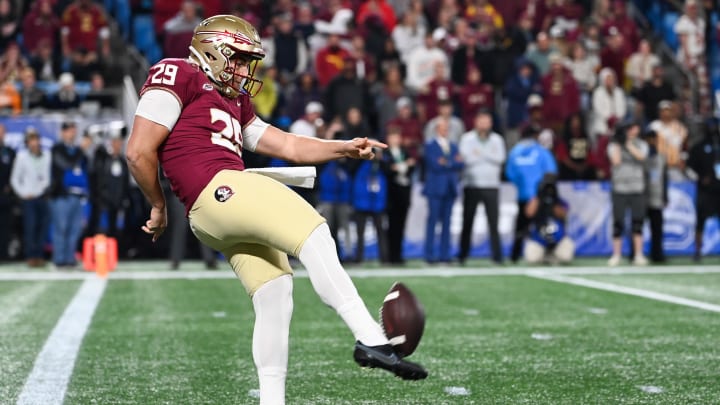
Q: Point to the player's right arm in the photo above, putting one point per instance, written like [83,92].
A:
[142,158]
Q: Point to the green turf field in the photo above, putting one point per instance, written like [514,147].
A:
[507,336]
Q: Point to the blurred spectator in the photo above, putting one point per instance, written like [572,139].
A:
[7,159]
[334,196]
[592,40]
[437,90]
[9,22]
[109,186]
[421,64]
[483,153]
[672,137]
[355,125]
[623,23]
[178,30]
[705,162]
[46,63]
[527,164]
[517,90]
[536,118]
[471,55]
[602,11]
[536,10]
[475,96]
[347,91]
[563,16]
[539,53]
[369,201]
[573,150]
[307,125]
[653,92]
[302,93]
[40,25]
[266,101]
[377,9]
[305,21]
[105,97]
[10,102]
[409,34]
[411,134]
[511,11]
[286,50]
[386,97]
[614,54]
[11,63]
[584,69]
[330,60]
[445,113]
[443,164]
[482,12]
[69,186]
[510,44]
[628,154]
[639,68]
[31,95]
[388,59]
[30,181]
[399,166]
[561,95]
[609,106]
[364,62]
[690,29]
[548,241]
[657,195]
[83,25]
[66,97]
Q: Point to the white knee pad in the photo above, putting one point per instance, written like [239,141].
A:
[533,252]
[565,250]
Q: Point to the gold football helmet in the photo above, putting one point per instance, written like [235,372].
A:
[219,39]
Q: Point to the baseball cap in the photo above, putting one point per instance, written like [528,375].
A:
[664,104]
[403,102]
[31,132]
[313,107]
[534,101]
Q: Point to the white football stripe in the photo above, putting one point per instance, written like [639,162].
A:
[391,296]
[54,365]
[398,340]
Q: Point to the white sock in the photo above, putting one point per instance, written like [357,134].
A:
[335,288]
[273,305]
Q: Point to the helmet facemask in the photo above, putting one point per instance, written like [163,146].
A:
[232,83]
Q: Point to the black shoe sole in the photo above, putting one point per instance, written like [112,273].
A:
[368,357]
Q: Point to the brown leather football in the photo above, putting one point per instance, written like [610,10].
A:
[403,319]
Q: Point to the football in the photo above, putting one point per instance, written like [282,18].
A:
[403,318]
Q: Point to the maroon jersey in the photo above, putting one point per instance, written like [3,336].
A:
[474,98]
[83,25]
[207,137]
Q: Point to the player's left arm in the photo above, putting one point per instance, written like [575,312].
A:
[305,150]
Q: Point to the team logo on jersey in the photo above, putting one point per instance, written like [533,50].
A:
[207,86]
[223,193]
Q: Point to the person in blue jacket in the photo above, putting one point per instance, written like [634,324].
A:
[527,165]
[443,165]
[369,200]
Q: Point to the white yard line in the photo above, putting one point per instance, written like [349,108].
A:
[652,295]
[19,300]
[53,367]
[128,271]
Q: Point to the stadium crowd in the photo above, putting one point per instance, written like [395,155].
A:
[467,94]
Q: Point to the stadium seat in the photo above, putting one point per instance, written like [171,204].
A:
[669,34]
[143,32]
[122,16]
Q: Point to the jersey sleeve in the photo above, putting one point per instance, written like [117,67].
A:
[174,76]
[252,126]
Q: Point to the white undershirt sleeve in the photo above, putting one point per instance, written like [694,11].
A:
[159,106]
[253,132]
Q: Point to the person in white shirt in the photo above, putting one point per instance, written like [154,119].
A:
[308,124]
[672,137]
[483,152]
[608,104]
[640,66]
[30,179]
[690,29]
[455,125]
[408,35]
[421,64]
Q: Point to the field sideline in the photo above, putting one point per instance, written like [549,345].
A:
[565,335]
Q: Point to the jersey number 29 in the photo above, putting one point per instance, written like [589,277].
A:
[229,135]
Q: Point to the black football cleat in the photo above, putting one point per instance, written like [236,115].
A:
[384,357]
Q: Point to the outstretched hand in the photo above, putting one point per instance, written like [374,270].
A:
[362,148]
[157,223]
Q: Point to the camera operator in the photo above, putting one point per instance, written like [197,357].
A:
[548,241]
[627,153]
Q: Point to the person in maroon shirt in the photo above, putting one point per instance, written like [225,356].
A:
[561,94]
[621,21]
[614,54]
[330,60]
[83,23]
[194,118]
[439,88]
[475,96]
[573,150]
[412,136]
[40,24]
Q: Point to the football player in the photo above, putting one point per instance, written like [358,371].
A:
[195,118]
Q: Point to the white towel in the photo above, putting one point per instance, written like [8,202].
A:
[300,176]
